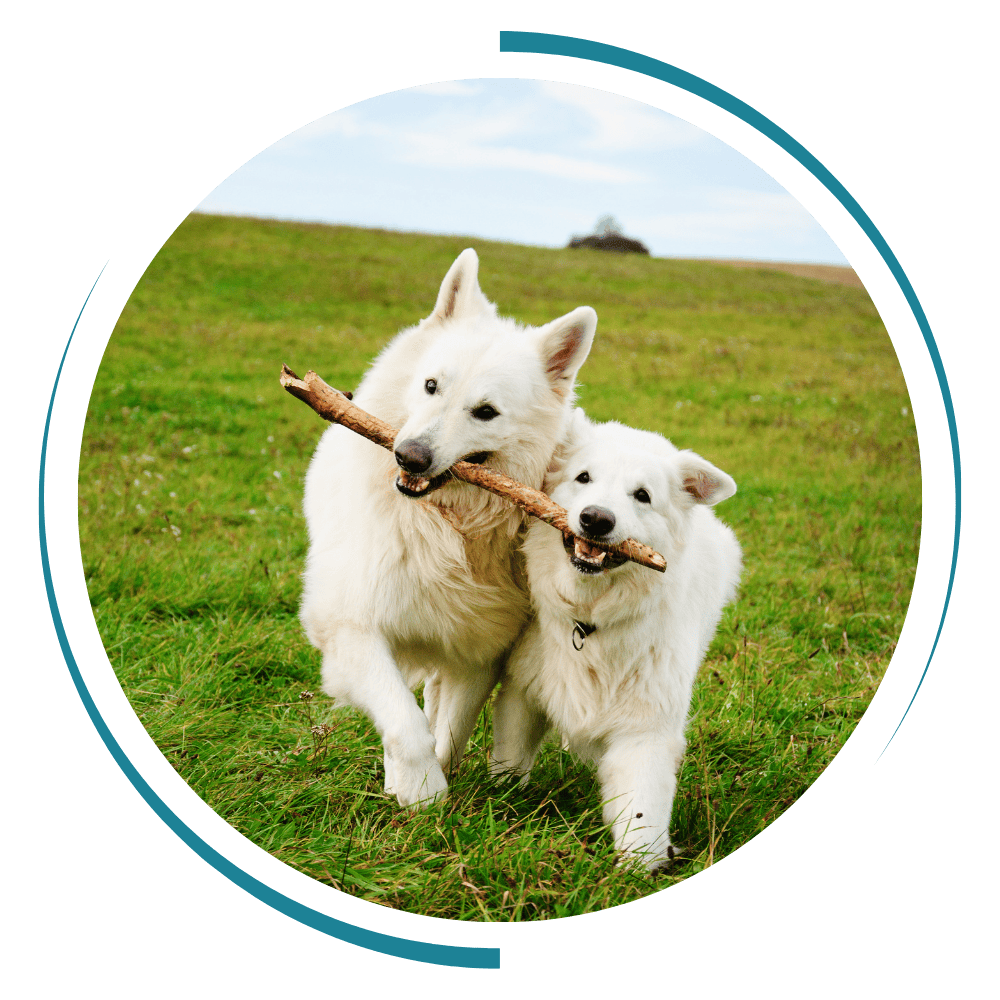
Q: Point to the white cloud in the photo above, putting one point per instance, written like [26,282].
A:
[453,140]
[480,124]
[445,152]
[619,124]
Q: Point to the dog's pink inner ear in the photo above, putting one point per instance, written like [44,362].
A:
[708,486]
[561,359]
[698,485]
[449,295]
[564,346]
[460,294]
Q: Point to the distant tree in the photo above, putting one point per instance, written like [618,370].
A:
[608,225]
[609,236]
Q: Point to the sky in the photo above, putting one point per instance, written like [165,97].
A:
[528,162]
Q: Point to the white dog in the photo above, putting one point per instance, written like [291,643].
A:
[611,657]
[413,576]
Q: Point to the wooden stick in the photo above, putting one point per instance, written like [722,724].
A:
[336,406]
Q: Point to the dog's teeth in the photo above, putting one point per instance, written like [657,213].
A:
[582,549]
[415,483]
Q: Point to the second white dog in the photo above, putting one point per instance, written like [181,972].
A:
[612,655]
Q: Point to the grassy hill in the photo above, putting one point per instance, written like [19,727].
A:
[190,492]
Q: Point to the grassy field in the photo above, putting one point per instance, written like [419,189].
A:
[193,541]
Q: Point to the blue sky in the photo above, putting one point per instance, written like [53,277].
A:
[530,162]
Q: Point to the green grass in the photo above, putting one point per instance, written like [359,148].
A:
[193,541]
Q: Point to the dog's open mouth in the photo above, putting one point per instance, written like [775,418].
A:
[411,485]
[588,558]
[417,486]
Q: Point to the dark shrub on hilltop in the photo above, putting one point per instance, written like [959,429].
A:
[612,242]
[608,235]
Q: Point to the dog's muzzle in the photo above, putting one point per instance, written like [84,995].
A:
[597,523]
[414,458]
[588,558]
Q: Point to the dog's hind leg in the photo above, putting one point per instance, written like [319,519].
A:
[359,670]
[460,699]
[519,726]
[638,775]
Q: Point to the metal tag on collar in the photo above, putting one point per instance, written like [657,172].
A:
[580,632]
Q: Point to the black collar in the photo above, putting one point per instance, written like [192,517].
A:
[580,632]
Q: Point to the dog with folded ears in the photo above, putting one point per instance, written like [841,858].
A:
[612,653]
[411,575]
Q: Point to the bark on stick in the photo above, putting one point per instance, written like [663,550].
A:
[336,406]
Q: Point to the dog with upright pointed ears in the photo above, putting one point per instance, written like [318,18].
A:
[413,576]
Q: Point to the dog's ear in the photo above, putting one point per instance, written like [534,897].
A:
[564,345]
[460,295]
[580,427]
[706,483]
[578,430]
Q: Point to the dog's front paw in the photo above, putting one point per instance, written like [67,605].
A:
[644,860]
[422,789]
[415,784]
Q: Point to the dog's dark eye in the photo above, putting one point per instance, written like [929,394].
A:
[485,412]
[431,386]
[642,496]
[584,477]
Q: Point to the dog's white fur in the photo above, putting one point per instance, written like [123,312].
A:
[400,590]
[621,700]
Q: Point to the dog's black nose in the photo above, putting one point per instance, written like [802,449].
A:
[596,521]
[414,456]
